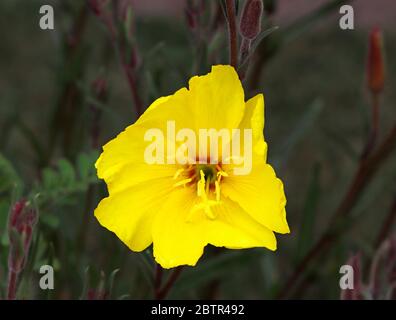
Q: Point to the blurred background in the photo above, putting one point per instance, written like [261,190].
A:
[65,92]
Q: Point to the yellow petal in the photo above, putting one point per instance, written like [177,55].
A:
[253,118]
[259,193]
[217,99]
[176,107]
[176,239]
[129,213]
[236,229]
[180,232]
[214,100]
[122,163]
[128,146]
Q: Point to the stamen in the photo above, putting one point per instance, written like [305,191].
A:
[222,173]
[182,182]
[217,191]
[202,191]
[206,206]
[207,178]
[178,173]
[201,185]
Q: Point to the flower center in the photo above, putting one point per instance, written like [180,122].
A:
[206,178]
[209,171]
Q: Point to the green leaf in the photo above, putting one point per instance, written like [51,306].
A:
[4,209]
[66,179]
[111,281]
[86,164]
[5,241]
[9,179]
[50,179]
[50,220]
[67,173]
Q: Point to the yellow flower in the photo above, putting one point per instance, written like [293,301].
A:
[180,208]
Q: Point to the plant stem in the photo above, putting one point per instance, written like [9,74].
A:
[158,280]
[367,168]
[387,224]
[128,70]
[243,53]
[84,228]
[162,293]
[12,284]
[372,139]
[132,85]
[232,32]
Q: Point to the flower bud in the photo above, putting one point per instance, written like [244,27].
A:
[375,64]
[20,229]
[250,24]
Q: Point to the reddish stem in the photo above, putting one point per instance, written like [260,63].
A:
[162,293]
[387,225]
[372,139]
[158,280]
[132,86]
[128,70]
[12,284]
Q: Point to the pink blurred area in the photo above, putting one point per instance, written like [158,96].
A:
[367,12]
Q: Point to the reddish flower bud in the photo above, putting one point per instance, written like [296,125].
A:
[250,25]
[375,64]
[20,229]
[16,213]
